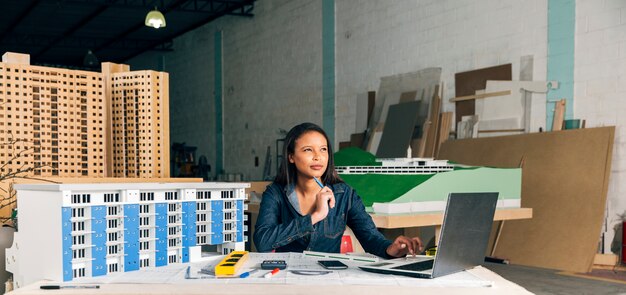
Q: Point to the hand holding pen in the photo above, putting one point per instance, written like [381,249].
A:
[325,199]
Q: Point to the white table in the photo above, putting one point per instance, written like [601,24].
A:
[500,286]
[172,279]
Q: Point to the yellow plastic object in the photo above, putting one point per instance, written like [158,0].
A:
[231,263]
[431,251]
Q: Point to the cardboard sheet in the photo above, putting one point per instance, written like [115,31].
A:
[361,112]
[390,92]
[513,111]
[564,180]
[398,130]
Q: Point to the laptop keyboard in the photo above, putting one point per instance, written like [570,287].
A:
[417,266]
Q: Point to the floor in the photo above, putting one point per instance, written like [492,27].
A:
[546,281]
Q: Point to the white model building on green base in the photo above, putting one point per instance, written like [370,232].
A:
[413,185]
[432,194]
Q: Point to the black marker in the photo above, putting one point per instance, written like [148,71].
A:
[56,287]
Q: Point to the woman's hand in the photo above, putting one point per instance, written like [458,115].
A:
[323,200]
[402,246]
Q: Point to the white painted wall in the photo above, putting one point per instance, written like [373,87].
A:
[272,66]
[600,88]
[272,63]
[376,39]
[272,69]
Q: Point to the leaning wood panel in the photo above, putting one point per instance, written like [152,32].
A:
[466,83]
[564,180]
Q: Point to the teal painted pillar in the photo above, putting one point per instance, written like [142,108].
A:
[561,29]
[219,129]
[328,68]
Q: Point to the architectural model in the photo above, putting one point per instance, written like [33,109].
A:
[412,185]
[74,123]
[400,166]
[69,231]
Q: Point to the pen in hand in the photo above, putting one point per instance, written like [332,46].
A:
[318,182]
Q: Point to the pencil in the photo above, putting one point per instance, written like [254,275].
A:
[318,182]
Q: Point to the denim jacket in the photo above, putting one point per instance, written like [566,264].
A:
[280,227]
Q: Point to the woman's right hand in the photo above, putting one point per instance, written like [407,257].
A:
[323,200]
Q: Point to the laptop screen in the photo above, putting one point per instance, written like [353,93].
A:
[465,232]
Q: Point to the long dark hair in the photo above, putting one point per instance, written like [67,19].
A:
[287,172]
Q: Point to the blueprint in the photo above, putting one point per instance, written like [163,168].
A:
[301,270]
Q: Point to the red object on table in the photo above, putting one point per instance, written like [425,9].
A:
[346,244]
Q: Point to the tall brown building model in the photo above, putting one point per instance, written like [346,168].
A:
[73,123]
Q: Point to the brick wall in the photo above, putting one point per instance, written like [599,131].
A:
[375,39]
[272,67]
[600,87]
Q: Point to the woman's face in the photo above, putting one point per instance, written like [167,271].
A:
[310,155]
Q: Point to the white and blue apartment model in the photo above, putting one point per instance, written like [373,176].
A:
[68,231]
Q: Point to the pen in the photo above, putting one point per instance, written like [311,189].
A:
[56,287]
[271,273]
[247,274]
[318,182]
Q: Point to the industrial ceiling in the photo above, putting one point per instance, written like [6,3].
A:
[61,32]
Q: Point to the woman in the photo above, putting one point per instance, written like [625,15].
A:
[297,214]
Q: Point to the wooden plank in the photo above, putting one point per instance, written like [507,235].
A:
[565,181]
[501,130]
[436,218]
[371,100]
[605,259]
[482,95]
[258,186]
[466,83]
[356,139]
[431,129]
[444,129]
[559,113]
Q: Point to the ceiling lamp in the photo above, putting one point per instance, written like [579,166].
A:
[155,19]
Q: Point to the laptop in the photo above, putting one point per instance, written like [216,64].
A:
[462,244]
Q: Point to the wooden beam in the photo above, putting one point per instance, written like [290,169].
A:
[482,95]
[501,130]
[559,112]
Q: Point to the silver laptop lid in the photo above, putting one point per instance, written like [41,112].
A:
[464,232]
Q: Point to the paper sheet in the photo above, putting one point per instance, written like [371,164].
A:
[175,274]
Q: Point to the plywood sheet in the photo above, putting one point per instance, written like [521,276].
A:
[559,111]
[408,96]
[356,139]
[495,113]
[433,126]
[564,180]
[445,123]
[391,89]
[361,112]
[398,130]
[466,83]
